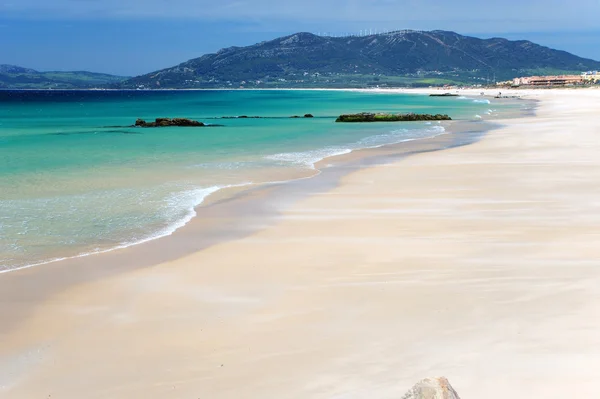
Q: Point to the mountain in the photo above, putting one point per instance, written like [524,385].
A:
[394,59]
[15,77]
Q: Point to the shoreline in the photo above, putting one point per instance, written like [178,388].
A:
[461,262]
[421,90]
[478,262]
[221,192]
[83,268]
[264,199]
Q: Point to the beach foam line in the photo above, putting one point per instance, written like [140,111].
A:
[194,197]
[475,100]
[371,142]
[308,158]
[312,157]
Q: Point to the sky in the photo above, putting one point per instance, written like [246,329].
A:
[132,37]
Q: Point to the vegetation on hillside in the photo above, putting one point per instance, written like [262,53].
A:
[13,77]
[402,58]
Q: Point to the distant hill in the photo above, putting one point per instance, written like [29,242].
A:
[15,77]
[400,58]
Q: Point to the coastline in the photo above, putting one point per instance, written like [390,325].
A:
[422,90]
[212,193]
[266,282]
[225,215]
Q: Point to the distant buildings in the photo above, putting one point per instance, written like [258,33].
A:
[557,80]
[591,76]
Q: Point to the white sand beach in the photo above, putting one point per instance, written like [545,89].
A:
[478,263]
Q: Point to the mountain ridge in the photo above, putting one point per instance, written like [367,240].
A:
[396,58]
[17,77]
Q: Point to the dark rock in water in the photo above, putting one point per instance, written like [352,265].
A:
[241,117]
[370,117]
[444,95]
[432,388]
[294,117]
[308,116]
[164,122]
[185,122]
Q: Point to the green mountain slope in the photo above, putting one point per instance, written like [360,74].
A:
[392,59]
[14,77]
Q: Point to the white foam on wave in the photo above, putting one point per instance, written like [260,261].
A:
[233,165]
[437,129]
[398,136]
[310,158]
[393,137]
[185,201]
[475,100]
[307,158]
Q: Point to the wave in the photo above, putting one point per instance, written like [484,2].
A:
[181,207]
[233,165]
[476,101]
[307,158]
[311,157]
[399,136]
[175,206]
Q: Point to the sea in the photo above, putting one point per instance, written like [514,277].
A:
[76,178]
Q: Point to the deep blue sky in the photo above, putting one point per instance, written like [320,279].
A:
[131,37]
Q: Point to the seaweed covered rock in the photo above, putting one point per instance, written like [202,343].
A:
[372,117]
[443,95]
[305,116]
[165,122]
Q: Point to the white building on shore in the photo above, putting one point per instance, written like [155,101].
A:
[593,76]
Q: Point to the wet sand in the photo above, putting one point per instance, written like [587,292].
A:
[477,262]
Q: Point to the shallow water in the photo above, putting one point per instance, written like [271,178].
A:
[75,178]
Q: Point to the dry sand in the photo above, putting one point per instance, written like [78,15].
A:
[480,263]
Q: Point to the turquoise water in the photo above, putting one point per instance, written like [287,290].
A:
[75,178]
